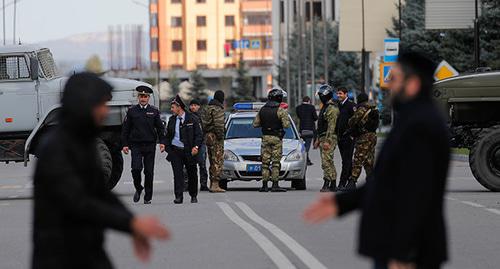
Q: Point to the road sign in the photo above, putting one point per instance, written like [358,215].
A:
[255,44]
[391,50]
[445,70]
[385,74]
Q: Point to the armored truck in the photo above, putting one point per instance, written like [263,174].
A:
[471,104]
[30,92]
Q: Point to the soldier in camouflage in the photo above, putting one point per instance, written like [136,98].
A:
[213,126]
[327,138]
[365,140]
[273,120]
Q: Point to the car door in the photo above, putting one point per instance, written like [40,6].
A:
[18,96]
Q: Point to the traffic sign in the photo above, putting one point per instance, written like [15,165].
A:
[445,70]
[255,44]
[391,50]
[385,74]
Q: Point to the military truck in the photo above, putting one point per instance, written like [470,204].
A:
[472,105]
[30,92]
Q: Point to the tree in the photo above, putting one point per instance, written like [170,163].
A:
[94,64]
[243,91]
[198,85]
[174,83]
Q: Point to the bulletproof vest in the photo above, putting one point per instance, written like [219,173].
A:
[271,124]
[322,122]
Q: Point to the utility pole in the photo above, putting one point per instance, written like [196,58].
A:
[313,71]
[299,25]
[400,24]
[325,43]
[3,10]
[363,58]
[287,21]
[14,25]
[477,52]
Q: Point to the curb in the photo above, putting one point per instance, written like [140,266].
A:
[459,157]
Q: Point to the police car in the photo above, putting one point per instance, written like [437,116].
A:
[242,159]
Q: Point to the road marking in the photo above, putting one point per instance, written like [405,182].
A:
[302,253]
[4,204]
[13,196]
[476,205]
[279,259]
[472,204]
[154,182]
[7,187]
[493,210]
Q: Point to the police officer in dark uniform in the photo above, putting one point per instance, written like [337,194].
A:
[141,130]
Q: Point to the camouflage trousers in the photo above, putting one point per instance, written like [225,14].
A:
[271,151]
[216,159]
[327,163]
[364,154]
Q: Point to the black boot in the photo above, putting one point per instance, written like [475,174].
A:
[333,186]
[351,185]
[342,184]
[137,195]
[309,163]
[325,187]
[264,187]
[204,188]
[178,200]
[276,187]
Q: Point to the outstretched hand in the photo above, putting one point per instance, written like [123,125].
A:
[144,229]
[321,210]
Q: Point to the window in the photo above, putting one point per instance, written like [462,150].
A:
[47,63]
[202,66]
[230,66]
[177,66]
[282,12]
[229,1]
[13,67]
[175,1]
[201,1]
[176,21]
[154,44]
[316,11]
[230,20]
[177,45]
[154,20]
[258,19]
[201,45]
[201,21]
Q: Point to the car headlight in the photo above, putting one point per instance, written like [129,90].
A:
[230,156]
[294,156]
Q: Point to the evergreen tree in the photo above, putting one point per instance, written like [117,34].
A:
[198,85]
[489,26]
[243,91]
[174,82]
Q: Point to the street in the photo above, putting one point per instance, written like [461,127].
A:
[247,229]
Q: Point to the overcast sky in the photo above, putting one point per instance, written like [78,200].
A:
[41,20]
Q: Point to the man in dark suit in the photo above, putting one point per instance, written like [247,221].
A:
[402,221]
[307,119]
[345,141]
[184,139]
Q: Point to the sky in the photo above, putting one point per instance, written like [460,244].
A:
[41,20]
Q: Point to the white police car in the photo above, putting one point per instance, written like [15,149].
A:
[242,159]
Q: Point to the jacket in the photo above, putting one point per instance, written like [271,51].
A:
[213,119]
[307,117]
[402,203]
[190,132]
[142,126]
[346,112]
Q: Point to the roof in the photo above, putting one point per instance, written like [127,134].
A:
[20,48]
[243,114]
[468,80]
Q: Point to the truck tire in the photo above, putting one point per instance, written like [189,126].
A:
[105,158]
[299,184]
[117,167]
[484,158]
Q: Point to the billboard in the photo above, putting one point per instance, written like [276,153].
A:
[449,14]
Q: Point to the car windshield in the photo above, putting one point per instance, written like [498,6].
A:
[47,63]
[242,128]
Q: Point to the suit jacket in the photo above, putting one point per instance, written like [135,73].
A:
[402,203]
[190,132]
[346,112]
[307,117]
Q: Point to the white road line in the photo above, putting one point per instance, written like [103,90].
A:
[13,196]
[154,182]
[302,253]
[493,210]
[279,259]
[472,204]
[4,204]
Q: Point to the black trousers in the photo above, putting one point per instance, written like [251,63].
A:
[180,159]
[143,156]
[346,148]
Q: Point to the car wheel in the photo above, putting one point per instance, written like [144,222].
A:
[105,158]
[299,184]
[223,184]
[484,158]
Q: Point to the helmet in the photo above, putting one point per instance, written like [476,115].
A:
[276,94]
[325,93]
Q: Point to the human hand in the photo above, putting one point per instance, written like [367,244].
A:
[393,264]
[142,248]
[316,144]
[162,147]
[326,146]
[323,209]
[194,151]
[149,227]
[125,150]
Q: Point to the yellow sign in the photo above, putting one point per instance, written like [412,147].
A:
[385,74]
[445,70]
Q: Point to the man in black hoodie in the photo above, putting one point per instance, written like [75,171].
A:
[402,220]
[72,205]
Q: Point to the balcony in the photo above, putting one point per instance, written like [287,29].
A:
[256,6]
[258,30]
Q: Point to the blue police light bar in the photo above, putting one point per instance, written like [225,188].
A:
[248,106]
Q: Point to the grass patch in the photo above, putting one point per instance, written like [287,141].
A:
[461,151]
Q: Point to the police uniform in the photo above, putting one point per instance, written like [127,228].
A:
[141,130]
[273,120]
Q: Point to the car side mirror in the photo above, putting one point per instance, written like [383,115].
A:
[34,68]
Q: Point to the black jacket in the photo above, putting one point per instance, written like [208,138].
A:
[307,116]
[402,204]
[190,132]
[346,112]
[142,126]
[72,205]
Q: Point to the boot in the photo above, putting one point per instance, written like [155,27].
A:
[333,186]
[326,185]
[342,184]
[309,163]
[276,187]
[264,186]
[204,188]
[215,187]
[351,185]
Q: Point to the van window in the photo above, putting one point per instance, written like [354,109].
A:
[13,67]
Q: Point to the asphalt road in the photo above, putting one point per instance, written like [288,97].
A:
[247,229]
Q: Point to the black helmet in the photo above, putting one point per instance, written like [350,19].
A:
[276,94]
[325,93]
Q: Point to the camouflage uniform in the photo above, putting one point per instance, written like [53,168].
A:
[213,126]
[329,137]
[364,151]
[272,148]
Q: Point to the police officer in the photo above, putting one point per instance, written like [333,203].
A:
[273,120]
[327,138]
[365,136]
[141,129]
